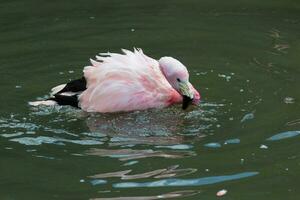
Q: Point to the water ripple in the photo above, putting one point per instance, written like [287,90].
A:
[131,154]
[284,135]
[176,194]
[171,171]
[50,140]
[186,182]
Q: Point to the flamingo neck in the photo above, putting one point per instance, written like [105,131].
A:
[175,98]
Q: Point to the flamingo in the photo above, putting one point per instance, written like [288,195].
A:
[127,82]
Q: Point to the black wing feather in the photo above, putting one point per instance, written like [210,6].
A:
[78,85]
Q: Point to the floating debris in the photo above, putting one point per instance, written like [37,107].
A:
[18,86]
[221,193]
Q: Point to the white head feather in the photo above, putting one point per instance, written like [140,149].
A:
[174,71]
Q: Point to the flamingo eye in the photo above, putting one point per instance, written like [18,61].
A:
[178,80]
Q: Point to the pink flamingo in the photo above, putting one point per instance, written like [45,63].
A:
[126,82]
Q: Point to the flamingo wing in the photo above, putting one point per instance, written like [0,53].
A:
[125,82]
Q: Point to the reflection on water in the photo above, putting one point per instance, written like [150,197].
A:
[284,135]
[124,140]
[213,145]
[167,133]
[132,154]
[293,122]
[155,122]
[50,140]
[171,171]
[98,182]
[176,146]
[170,195]
[186,182]
[128,137]
[165,128]
[131,163]
[232,141]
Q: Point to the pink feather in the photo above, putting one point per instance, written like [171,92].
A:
[126,82]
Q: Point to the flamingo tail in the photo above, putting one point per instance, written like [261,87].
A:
[65,94]
[68,95]
[78,85]
[66,100]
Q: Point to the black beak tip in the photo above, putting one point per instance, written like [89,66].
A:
[186,101]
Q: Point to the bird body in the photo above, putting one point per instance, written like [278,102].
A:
[132,81]
[126,82]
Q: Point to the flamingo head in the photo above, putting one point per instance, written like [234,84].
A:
[178,77]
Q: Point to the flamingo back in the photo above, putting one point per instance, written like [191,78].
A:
[125,82]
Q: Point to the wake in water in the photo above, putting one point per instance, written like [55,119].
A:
[169,126]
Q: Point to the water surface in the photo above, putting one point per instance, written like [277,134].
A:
[243,57]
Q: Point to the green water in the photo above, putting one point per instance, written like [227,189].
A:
[243,57]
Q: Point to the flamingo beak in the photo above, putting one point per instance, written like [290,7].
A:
[187,94]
